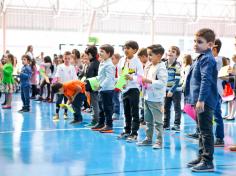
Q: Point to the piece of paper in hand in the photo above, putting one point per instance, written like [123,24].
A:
[190,111]
[66,106]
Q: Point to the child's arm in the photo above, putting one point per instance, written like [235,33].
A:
[206,71]
[110,75]
[71,98]
[26,74]
[176,81]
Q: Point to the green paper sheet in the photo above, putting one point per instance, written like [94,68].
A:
[94,83]
[66,106]
[122,80]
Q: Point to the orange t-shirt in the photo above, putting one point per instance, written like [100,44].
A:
[70,87]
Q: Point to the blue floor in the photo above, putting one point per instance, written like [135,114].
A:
[31,144]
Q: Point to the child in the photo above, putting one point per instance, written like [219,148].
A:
[106,78]
[143,56]
[155,75]
[174,89]
[65,72]
[116,95]
[92,71]
[131,91]
[201,92]
[8,80]
[34,79]
[75,93]
[25,76]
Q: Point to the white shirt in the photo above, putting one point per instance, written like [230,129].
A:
[65,73]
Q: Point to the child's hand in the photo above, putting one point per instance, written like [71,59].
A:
[128,77]
[169,94]
[200,106]
[145,80]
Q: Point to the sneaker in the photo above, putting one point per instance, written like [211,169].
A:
[3,104]
[143,123]
[176,128]
[194,135]
[26,110]
[145,142]
[115,116]
[32,98]
[21,110]
[106,129]
[65,116]
[123,135]
[230,118]
[75,121]
[219,142]
[132,138]
[203,167]
[97,127]
[194,162]
[6,107]
[165,127]
[157,145]
[39,99]
[92,124]
[56,117]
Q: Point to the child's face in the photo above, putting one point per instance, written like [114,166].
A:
[234,59]
[143,59]
[60,60]
[104,55]
[66,59]
[149,52]
[86,59]
[24,61]
[155,58]
[115,61]
[201,45]
[171,55]
[129,52]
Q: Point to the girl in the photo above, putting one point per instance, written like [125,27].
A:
[33,79]
[8,80]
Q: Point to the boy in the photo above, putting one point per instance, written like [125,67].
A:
[106,78]
[25,76]
[143,56]
[116,96]
[155,75]
[65,72]
[174,89]
[131,91]
[75,93]
[201,92]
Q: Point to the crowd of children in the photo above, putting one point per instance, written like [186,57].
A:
[150,81]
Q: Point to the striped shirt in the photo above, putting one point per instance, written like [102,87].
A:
[174,83]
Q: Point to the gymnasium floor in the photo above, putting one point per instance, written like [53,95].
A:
[31,144]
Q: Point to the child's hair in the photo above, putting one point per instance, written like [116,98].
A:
[76,53]
[176,49]
[234,57]
[157,49]
[56,87]
[131,44]
[11,57]
[108,48]
[28,48]
[66,53]
[142,52]
[92,50]
[225,61]
[188,59]
[33,63]
[117,56]
[217,45]
[27,57]
[207,34]
[47,59]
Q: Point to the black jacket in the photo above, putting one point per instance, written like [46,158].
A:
[92,69]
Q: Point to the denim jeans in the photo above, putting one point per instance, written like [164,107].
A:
[59,99]
[77,104]
[176,98]
[25,97]
[219,133]
[116,103]
[94,104]
[131,110]
[105,107]
[206,138]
